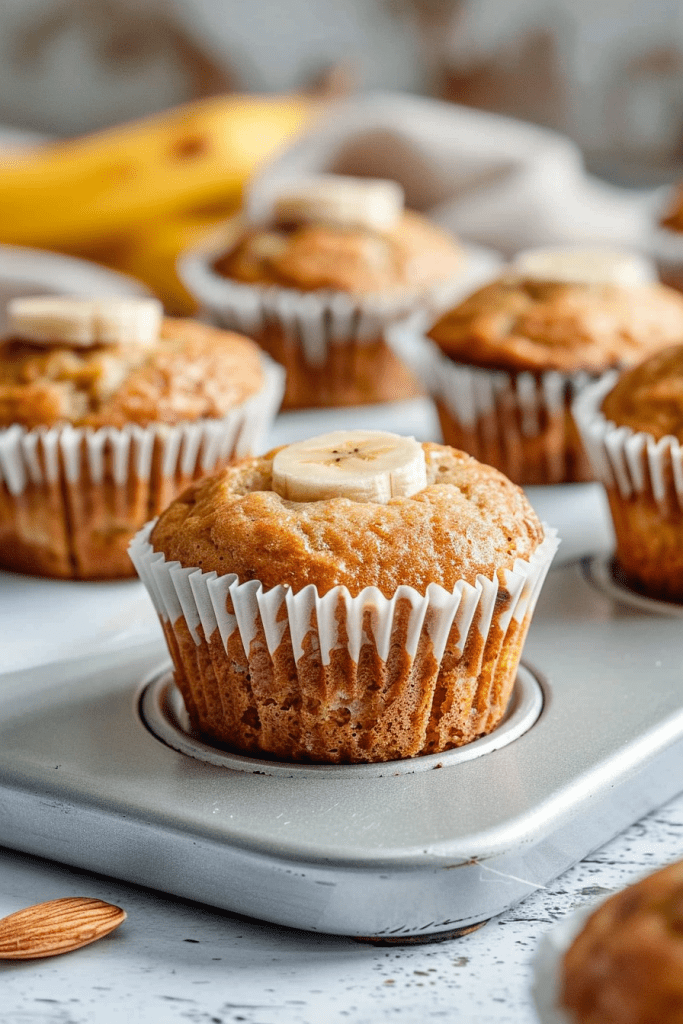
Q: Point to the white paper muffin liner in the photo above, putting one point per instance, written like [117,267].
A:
[633,463]
[201,600]
[472,392]
[547,962]
[314,320]
[39,456]
[71,497]
[474,396]
[547,966]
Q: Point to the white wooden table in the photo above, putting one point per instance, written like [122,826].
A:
[181,963]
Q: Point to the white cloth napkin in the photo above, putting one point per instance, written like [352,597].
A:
[490,179]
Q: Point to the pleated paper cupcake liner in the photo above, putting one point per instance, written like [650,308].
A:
[547,966]
[633,463]
[643,477]
[518,422]
[336,678]
[332,343]
[72,497]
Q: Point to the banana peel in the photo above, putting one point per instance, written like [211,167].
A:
[132,193]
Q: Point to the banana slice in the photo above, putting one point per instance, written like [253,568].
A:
[585,266]
[58,320]
[363,465]
[374,203]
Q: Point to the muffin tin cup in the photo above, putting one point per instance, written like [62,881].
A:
[518,422]
[71,498]
[336,678]
[643,477]
[331,343]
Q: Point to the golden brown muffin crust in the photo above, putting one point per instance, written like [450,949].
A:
[519,324]
[626,966]
[673,217]
[194,371]
[414,255]
[649,397]
[470,519]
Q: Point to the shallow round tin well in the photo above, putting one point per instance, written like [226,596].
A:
[163,712]
[604,573]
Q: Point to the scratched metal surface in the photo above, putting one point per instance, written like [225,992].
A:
[339,850]
[179,963]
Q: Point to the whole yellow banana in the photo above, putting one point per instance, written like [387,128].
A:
[151,251]
[192,160]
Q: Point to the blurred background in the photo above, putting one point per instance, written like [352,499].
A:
[609,73]
[606,73]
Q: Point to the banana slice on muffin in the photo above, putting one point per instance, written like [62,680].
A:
[82,323]
[585,266]
[373,203]
[363,465]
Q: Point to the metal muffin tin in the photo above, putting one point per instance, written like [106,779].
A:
[98,769]
[163,711]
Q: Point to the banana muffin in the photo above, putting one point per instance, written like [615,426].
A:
[665,241]
[511,357]
[626,965]
[672,218]
[356,597]
[633,431]
[318,277]
[107,410]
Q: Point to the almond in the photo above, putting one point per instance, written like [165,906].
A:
[57,926]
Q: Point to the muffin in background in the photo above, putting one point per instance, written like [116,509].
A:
[506,362]
[666,240]
[632,427]
[672,218]
[107,410]
[317,275]
[358,597]
[626,965]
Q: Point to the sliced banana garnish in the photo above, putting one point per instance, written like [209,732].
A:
[62,320]
[374,203]
[363,465]
[572,265]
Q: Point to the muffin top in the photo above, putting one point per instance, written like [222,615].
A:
[649,397]
[627,963]
[339,233]
[518,323]
[673,217]
[186,371]
[414,255]
[467,519]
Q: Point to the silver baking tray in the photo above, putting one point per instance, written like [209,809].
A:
[98,768]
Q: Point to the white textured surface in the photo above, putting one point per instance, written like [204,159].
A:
[179,963]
